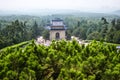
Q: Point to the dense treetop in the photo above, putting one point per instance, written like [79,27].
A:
[15,29]
[62,60]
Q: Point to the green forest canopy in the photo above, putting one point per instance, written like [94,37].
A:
[62,60]
[12,31]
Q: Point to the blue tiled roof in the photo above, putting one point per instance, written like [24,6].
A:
[57,25]
[57,19]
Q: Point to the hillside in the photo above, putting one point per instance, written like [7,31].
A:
[117,12]
[86,26]
[46,12]
[61,60]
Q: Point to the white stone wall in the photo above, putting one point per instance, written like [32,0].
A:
[53,34]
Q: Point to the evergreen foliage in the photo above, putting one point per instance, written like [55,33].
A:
[62,60]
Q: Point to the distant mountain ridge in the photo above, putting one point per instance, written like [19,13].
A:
[43,12]
[117,12]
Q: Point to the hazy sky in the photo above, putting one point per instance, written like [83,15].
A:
[82,5]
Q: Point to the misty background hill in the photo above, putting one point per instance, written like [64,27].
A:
[44,12]
[117,12]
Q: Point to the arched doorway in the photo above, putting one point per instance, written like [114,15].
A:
[57,35]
